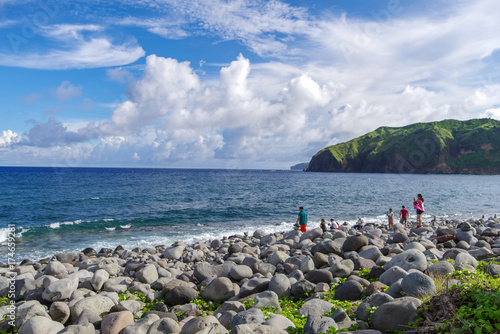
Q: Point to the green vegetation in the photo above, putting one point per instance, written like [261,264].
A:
[449,146]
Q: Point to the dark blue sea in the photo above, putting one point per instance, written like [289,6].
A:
[68,209]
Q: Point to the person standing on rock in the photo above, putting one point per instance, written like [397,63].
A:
[418,204]
[403,216]
[302,219]
[390,215]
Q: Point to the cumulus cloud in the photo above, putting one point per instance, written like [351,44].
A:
[492,113]
[66,91]
[120,75]
[9,138]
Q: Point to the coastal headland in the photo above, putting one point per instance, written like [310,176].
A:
[370,281]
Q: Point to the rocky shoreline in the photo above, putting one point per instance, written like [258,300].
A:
[97,292]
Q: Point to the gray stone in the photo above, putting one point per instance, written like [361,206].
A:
[87,317]
[409,259]
[253,285]
[164,325]
[23,285]
[111,265]
[267,299]
[278,257]
[302,289]
[35,310]
[419,285]
[180,295]
[40,325]
[319,276]
[55,268]
[99,278]
[226,317]
[131,305]
[265,268]
[61,289]
[280,284]
[376,299]
[230,306]
[391,275]
[395,290]
[372,253]
[465,258]
[204,270]
[251,316]
[342,269]
[203,325]
[173,253]
[339,315]
[98,304]
[67,257]
[306,265]
[399,237]
[349,290]
[395,315]
[315,308]
[240,272]
[312,234]
[316,325]
[148,274]
[79,329]
[440,269]
[267,240]
[279,321]
[327,247]
[256,329]
[354,243]
[414,245]
[492,269]
[220,289]
[59,312]
[466,236]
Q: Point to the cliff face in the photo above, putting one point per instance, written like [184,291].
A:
[446,147]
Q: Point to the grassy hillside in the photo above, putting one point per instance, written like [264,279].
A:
[449,146]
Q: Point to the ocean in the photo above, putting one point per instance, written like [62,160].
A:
[59,210]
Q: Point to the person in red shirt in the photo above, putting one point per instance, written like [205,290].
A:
[403,216]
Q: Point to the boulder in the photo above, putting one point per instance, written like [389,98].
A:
[240,272]
[251,316]
[204,270]
[354,243]
[148,274]
[100,277]
[253,285]
[34,310]
[409,259]
[173,253]
[113,323]
[375,300]
[98,304]
[203,325]
[316,325]
[55,268]
[59,312]
[419,285]
[465,258]
[349,290]
[23,285]
[61,289]
[395,315]
[391,275]
[440,269]
[78,329]
[280,284]
[164,325]
[230,306]
[220,289]
[279,321]
[319,275]
[493,270]
[302,289]
[40,325]
[256,329]
[278,257]
[180,295]
[142,325]
[267,299]
[342,268]
[315,308]
[111,265]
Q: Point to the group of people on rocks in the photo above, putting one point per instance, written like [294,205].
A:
[418,205]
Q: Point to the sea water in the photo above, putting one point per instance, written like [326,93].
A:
[68,209]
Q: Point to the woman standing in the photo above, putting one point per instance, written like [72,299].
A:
[390,215]
[418,204]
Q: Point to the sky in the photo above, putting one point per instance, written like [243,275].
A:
[233,84]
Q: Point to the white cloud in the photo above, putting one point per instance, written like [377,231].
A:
[76,50]
[120,75]
[9,138]
[492,113]
[66,91]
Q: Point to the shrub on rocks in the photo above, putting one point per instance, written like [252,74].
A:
[418,285]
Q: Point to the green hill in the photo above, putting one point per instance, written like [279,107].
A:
[446,147]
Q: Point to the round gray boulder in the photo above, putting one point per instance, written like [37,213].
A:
[409,259]
[280,284]
[251,316]
[349,290]
[419,285]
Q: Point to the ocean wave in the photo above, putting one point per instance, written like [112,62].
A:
[110,228]
[4,234]
[126,226]
[94,198]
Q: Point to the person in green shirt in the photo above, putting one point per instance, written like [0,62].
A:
[302,219]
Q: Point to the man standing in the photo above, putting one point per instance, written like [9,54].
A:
[403,216]
[302,219]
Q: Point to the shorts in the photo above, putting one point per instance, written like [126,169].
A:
[419,212]
[303,228]
[403,220]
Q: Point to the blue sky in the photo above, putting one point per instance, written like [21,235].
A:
[233,84]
